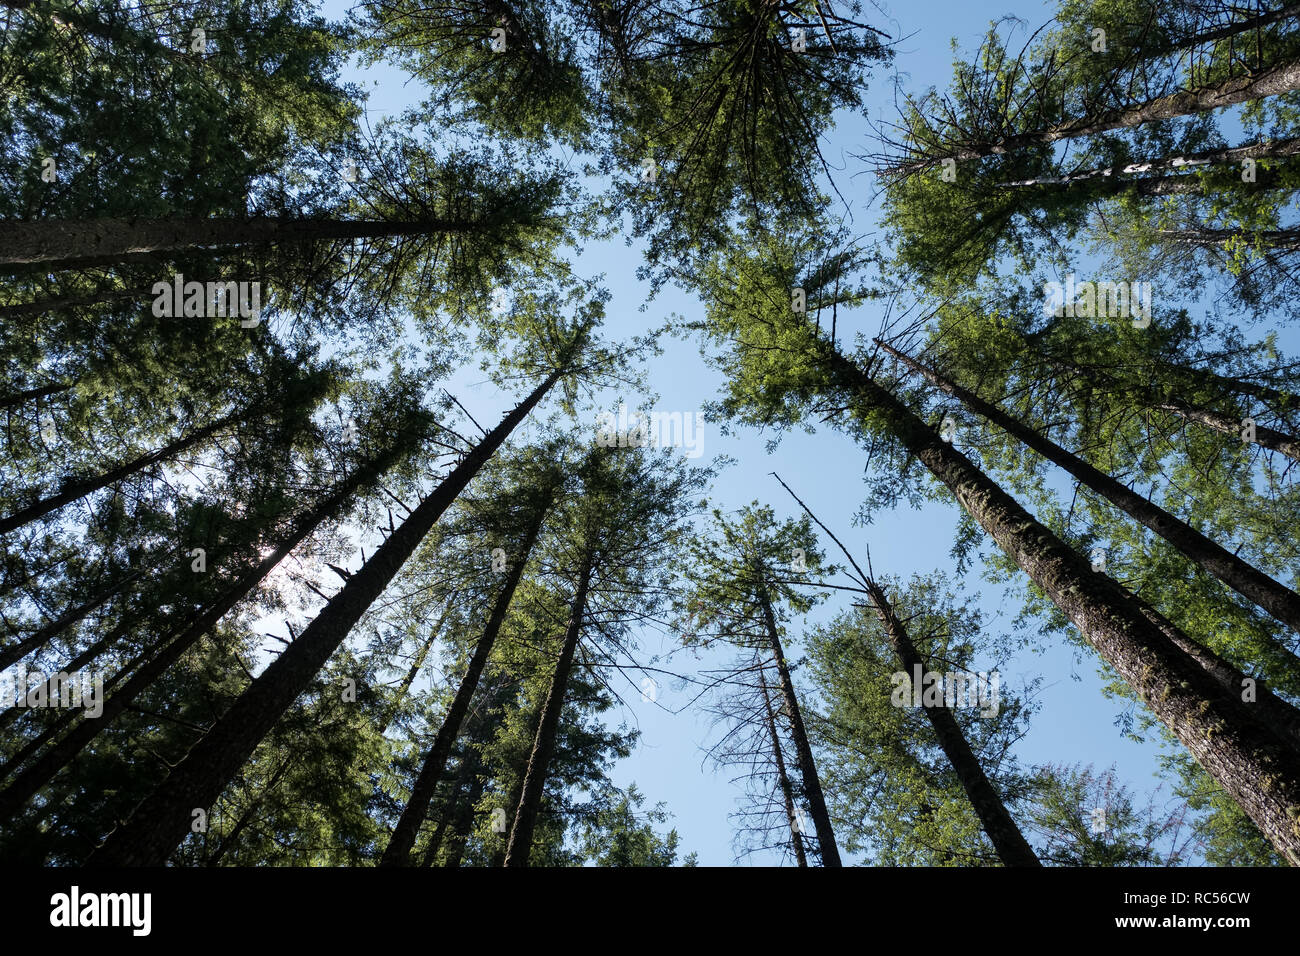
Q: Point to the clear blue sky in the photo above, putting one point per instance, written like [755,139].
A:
[1075,723]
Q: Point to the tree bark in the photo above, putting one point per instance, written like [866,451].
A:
[783,778]
[27,783]
[1265,437]
[812,787]
[1255,765]
[520,843]
[16,652]
[1242,577]
[1267,149]
[1011,846]
[398,851]
[70,489]
[161,821]
[14,399]
[71,243]
[1283,78]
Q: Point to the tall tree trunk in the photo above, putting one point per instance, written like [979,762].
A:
[1253,763]
[1265,437]
[1283,239]
[14,399]
[27,783]
[1011,846]
[1266,149]
[520,843]
[71,243]
[419,660]
[246,817]
[783,778]
[812,787]
[463,822]
[41,306]
[72,488]
[1242,577]
[16,652]
[1282,78]
[161,821]
[398,851]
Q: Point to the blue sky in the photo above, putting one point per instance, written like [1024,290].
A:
[1075,723]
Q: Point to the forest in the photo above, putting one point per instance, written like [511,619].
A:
[649,433]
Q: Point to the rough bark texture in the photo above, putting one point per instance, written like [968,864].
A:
[161,821]
[1248,581]
[1011,846]
[1267,149]
[398,851]
[520,844]
[812,787]
[1253,765]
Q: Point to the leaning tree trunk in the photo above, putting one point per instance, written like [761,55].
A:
[41,306]
[398,851]
[520,843]
[70,489]
[1114,176]
[812,786]
[16,652]
[1255,765]
[161,821]
[231,838]
[783,778]
[14,399]
[73,243]
[1011,846]
[1265,437]
[1279,600]
[1283,78]
[27,783]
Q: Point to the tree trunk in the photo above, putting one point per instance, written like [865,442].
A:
[1265,437]
[247,816]
[1287,240]
[812,788]
[14,399]
[41,306]
[1246,580]
[520,843]
[418,663]
[16,652]
[1283,78]
[13,797]
[71,243]
[1254,765]
[783,779]
[398,851]
[162,820]
[1267,149]
[1011,846]
[70,489]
